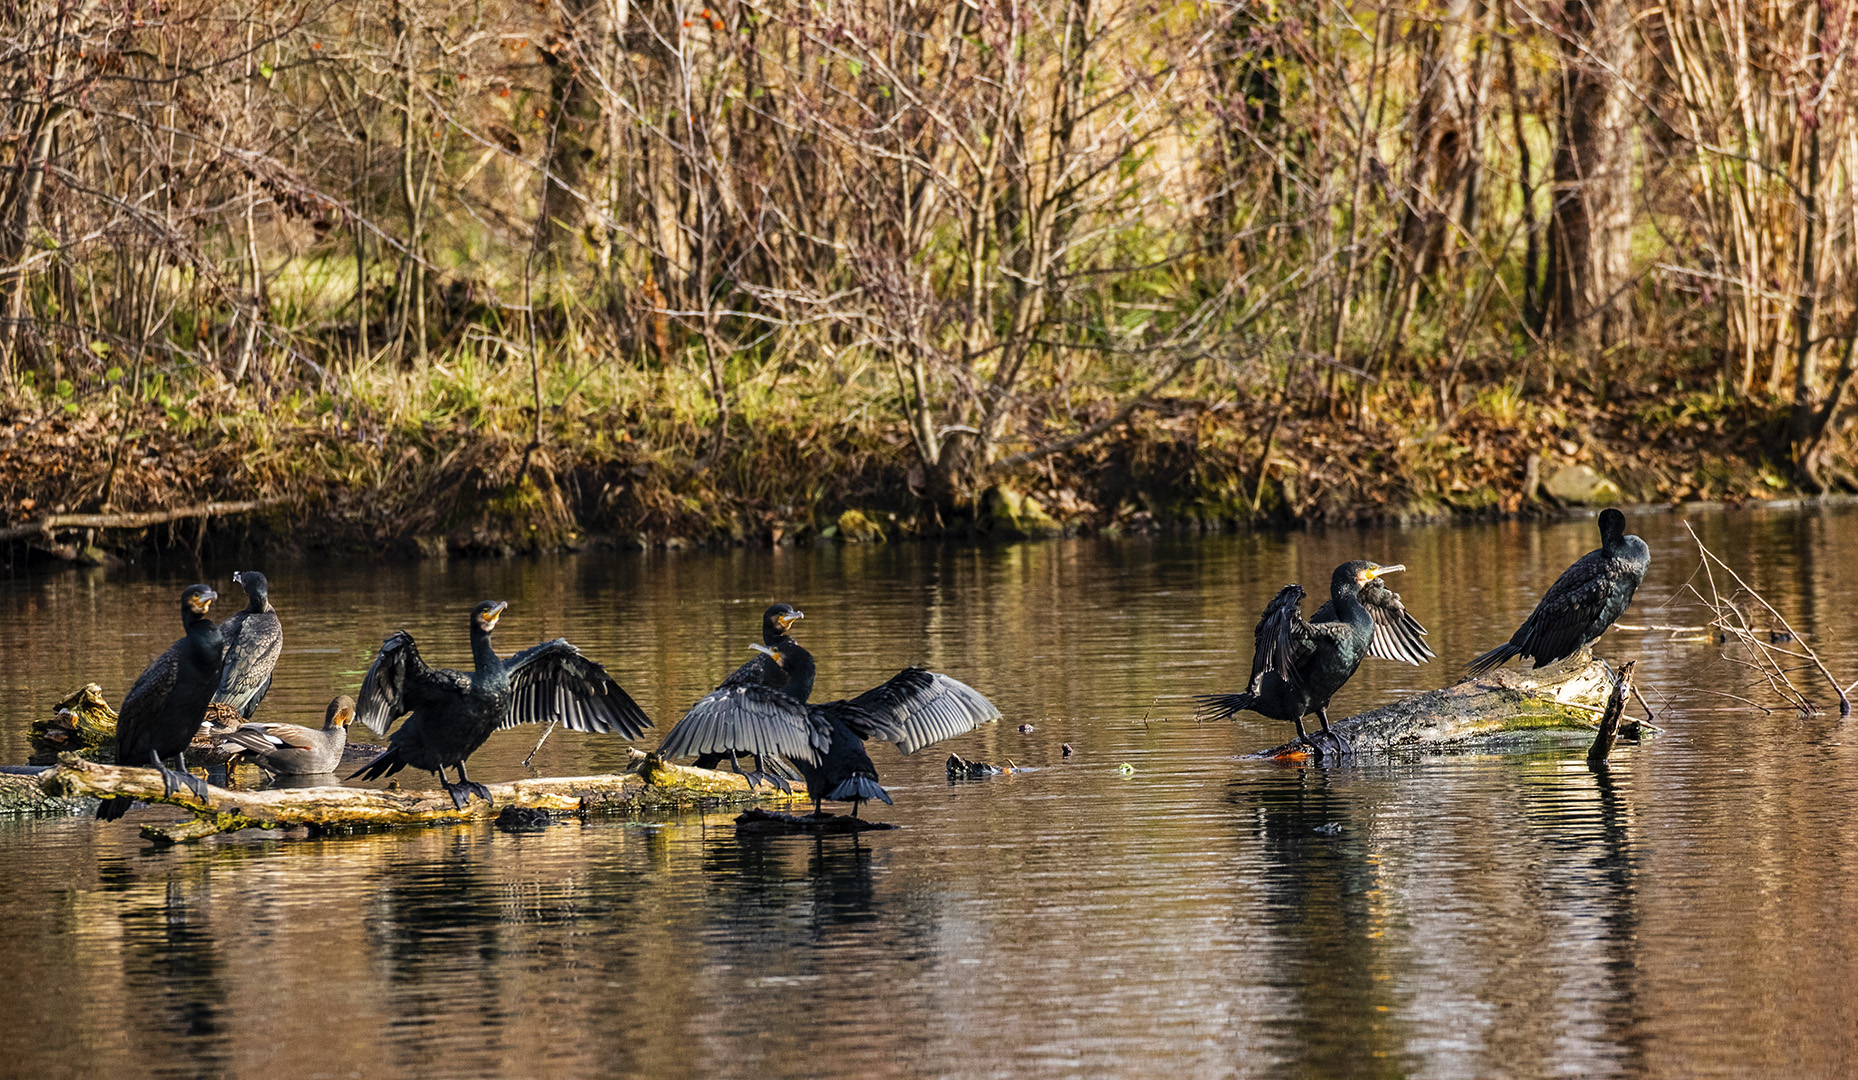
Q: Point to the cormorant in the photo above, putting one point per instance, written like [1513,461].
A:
[291,750]
[1582,602]
[1297,666]
[254,638]
[761,670]
[763,710]
[453,712]
[165,706]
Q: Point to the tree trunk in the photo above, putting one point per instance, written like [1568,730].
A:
[1590,228]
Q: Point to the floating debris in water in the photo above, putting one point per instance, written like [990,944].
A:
[1066,747]
[524,819]
[960,768]
[1125,769]
[1026,729]
[1334,828]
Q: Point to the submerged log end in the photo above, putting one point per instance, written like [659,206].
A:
[1609,720]
[760,822]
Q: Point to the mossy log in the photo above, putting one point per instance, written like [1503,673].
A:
[650,784]
[1505,707]
[20,794]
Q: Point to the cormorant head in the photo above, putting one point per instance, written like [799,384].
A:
[777,620]
[1356,574]
[196,599]
[1612,526]
[341,711]
[797,663]
[484,616]
[257,589]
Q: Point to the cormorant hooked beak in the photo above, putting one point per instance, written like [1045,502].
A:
[200,601]
[760,648]
[787,620]
[1373,572]
[488,620]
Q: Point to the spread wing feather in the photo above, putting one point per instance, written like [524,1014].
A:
[554,681]
[1283,637]
[399,681]
[917,707]
[748,717]
[1397,635]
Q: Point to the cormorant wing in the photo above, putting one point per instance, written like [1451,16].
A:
[1569,611]
[253,643]
[152,686]
[1397,635]
[553,681]
[399,681]
[1282,637]
[917,707]
[748,718]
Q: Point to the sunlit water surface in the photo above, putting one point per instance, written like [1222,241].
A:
[1688,912]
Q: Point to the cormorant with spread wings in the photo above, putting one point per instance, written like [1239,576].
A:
[1582,602]
[453,712]
[763,710]
[1298,665]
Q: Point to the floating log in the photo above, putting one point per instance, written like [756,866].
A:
[651,784]
[960,768]
[1505,706]
[20,794]
[759,822]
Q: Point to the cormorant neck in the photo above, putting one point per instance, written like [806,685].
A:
[202,633]
[1345,594]
[260,603]
[483,654]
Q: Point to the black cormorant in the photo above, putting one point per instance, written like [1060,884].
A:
[1582,602]
[292,750]
[453,712]
[166,705]
[254,638]
[761,670]
[763,710]
[1297,666]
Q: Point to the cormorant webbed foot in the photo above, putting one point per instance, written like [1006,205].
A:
[472,787]
[773,780]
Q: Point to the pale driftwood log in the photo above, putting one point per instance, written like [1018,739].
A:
[1503,707]
[54,523]
[654,784]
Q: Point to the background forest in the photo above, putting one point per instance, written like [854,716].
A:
[493,274]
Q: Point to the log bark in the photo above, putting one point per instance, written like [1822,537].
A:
[1505,706]
[1609,720]
[53,523]
[653,784]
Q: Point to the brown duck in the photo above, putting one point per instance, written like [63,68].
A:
[292,750]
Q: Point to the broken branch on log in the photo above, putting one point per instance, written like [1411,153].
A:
[654,784]
[1609,720]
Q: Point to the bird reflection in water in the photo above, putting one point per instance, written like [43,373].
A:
[173,974]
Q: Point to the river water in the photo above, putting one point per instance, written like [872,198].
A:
[1689,911]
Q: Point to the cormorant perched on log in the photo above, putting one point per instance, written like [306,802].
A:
[254,638]
[761,670]
[762,710]
[292,750]
[453,712]
[1582,602]
[1297,666]
[165,706]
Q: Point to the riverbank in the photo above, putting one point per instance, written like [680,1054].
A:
[341,476]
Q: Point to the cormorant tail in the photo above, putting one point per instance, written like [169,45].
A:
[386,763]
[1223,706]
[860,787]
[111,809]
[1491,659]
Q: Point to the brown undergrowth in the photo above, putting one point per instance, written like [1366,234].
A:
[615,476]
